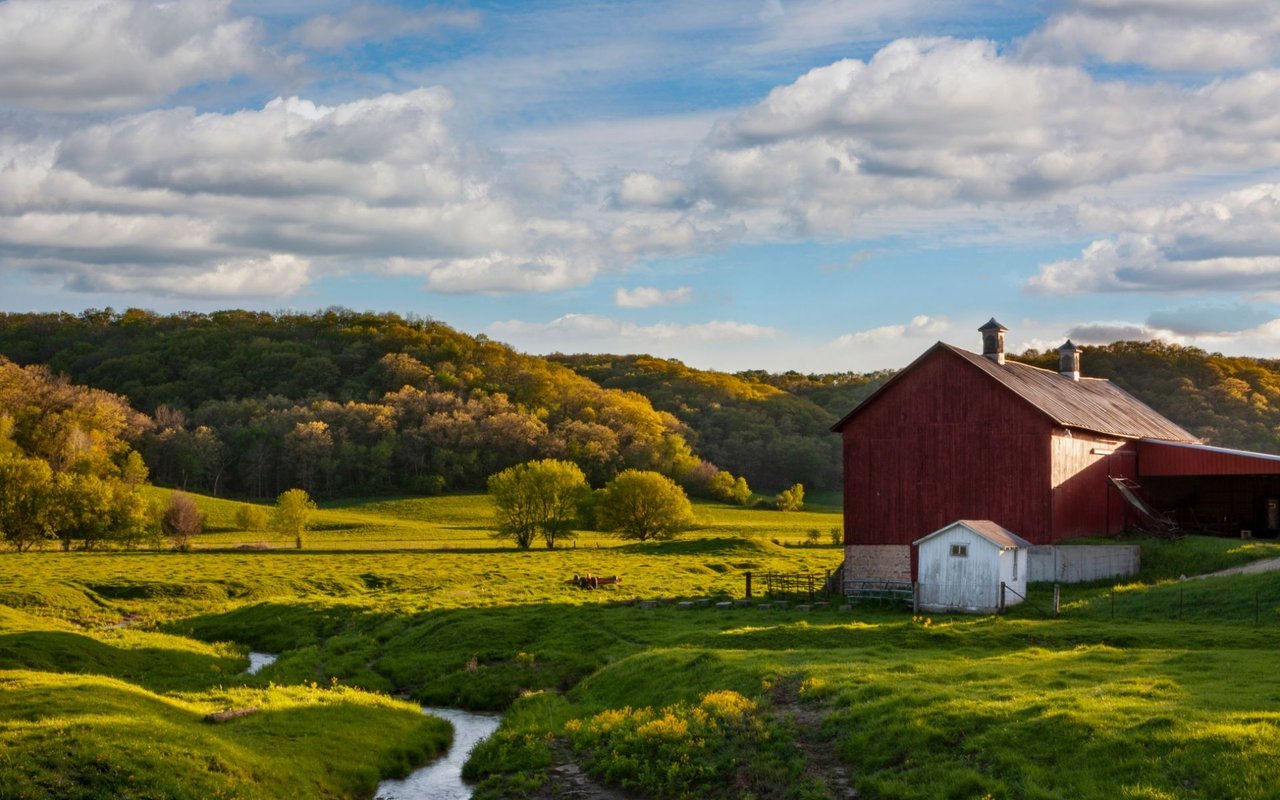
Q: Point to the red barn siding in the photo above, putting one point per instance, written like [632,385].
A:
[944,442]
[1162,459]
[1084,504]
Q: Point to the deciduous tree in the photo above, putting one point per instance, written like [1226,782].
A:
[644,505]
[292,514]
[537,498]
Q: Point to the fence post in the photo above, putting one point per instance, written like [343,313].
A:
[915,597]
[1057,599]
[1001,597]
[748,584]
[1113,603]
[811,589]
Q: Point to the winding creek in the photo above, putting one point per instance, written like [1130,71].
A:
[442,779]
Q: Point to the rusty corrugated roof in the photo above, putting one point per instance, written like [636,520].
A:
[1093,404]
[996,534]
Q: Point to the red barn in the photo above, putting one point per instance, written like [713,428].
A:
[958,435]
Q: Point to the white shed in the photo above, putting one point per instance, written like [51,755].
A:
[961,567]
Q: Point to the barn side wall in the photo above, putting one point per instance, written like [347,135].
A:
[945,442]
[1081,563]
[1084,503]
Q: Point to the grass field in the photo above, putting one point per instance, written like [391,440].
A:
[109,660]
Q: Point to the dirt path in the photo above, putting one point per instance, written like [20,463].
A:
[568,781]
[806,718]
[1265,565]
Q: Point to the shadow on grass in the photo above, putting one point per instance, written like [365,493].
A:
[154,668]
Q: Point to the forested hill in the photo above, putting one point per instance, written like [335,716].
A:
[340,402]
[1229,401]
[346,403]
[771,429]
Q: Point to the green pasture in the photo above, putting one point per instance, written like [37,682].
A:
[109,660]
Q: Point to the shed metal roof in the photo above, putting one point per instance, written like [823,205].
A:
[1092,404]
[998,535]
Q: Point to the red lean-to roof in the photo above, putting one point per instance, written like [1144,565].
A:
[1158,458]
[1092,404]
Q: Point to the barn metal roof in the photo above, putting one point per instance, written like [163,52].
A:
[1092,404]
[998,535]
[1157,458]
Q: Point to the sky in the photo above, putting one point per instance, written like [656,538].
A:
[818,185]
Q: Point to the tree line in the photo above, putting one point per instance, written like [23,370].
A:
[341,403]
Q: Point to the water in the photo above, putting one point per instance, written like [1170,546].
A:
[259,660]
[442,779]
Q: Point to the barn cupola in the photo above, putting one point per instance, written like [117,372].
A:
[1069,361]
[993,341]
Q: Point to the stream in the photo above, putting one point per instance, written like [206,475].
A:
[442,779]
[259,660]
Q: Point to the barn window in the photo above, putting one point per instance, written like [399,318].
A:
[1015,565]
[960,550]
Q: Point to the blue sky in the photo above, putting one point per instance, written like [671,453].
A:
[815,185]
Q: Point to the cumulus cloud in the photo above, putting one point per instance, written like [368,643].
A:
[1254,339]
[649,296]
[1231,243]
[96,55]
[377,184]
[378,22]
[944,124]
[1186,35]
[920,326]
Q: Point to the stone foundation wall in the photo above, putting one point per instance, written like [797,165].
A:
[886,562]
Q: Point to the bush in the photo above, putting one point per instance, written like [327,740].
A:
[790,499]
[723,486]
[182,521]
[252,518]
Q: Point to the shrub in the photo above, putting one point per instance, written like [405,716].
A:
[252,518]
[182,520]
[723,486]
[790,499]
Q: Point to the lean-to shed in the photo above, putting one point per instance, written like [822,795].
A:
[971,565]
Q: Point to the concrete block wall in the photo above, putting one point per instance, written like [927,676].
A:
[1080,563]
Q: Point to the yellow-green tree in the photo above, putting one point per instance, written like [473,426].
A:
[537,498]
[292,514]
[644,505]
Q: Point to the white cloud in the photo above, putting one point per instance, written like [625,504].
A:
[572,328]
[1231,243]
[1188,35]
[94,55]
[920,327]
[274,276]
[649,296]
[377,22]
[377,184]
[945,124]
